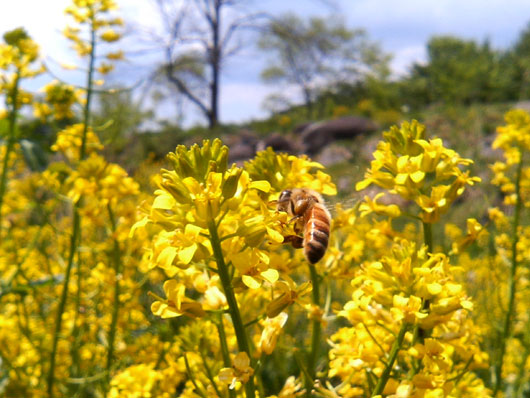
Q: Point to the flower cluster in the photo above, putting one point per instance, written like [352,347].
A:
[58,101]
[408,303]
[420,170]
[94,14]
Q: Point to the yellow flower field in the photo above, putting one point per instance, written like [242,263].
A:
[107,290]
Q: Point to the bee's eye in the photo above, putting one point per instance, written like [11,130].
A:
[285,195]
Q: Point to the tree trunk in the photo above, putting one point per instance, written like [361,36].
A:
[216,66]
[308,102]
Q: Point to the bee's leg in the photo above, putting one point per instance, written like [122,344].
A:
[295,241]
[294,219]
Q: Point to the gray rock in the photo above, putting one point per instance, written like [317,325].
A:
[277,142]
[333,154]
[317,135]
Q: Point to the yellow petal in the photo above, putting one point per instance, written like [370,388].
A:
[139,224]
[401,178]
[275,236]
[241,361]
[271,275]
[434,288]
[170,287]
[250,282]
[402,161]
[466,304]
[417,176]
[164,202]
[329,189]
[192,230]
[163,310]
[363,184]
[166,257]
[263,257]
[186,254]
[263,185]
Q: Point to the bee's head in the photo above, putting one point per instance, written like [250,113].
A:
[284,200]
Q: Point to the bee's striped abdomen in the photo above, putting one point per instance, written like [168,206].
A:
[316,232]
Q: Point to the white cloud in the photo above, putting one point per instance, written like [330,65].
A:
[243,101]
[44,21]
[406,56]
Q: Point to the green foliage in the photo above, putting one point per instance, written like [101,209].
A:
[13,37]
[458,71]
[315,54]
[516,62]
[118,117]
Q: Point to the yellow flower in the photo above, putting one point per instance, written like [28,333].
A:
[418,169]
[239,372]
[135,381]
[285,171]
[271,330]
[407,309]
[371,206]
[70,139]
[105,68]
[110,35]
[289,293]
[177,304]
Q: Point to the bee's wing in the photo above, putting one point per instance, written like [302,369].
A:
[342,204]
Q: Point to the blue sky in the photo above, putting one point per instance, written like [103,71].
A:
[401,27]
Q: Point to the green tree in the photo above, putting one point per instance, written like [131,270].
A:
[458,71]
[314,54]
[119,117]
[517,62]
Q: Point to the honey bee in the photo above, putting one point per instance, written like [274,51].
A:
[311,219]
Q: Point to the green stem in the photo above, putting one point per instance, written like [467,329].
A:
[224,349]
[427,241]
[209,374]
[506,332]
[116,259]
[316,333]
[427,236]
[10,144]
[233,309]
[90,78]
[398,342]
[192,378]
[76,332]
[62,301]
[74,242]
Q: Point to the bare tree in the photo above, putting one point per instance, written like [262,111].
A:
[198,37]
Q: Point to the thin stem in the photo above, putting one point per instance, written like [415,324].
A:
[506,332]
[10,144]
[396,346]
[62,301]
[76,332]
[375,341]
[209,374]
[74,242]
[427,236]
[224,349]
[116,259]
[233,309]
[192,378]
[418,333]
[316,332]
[90,78]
